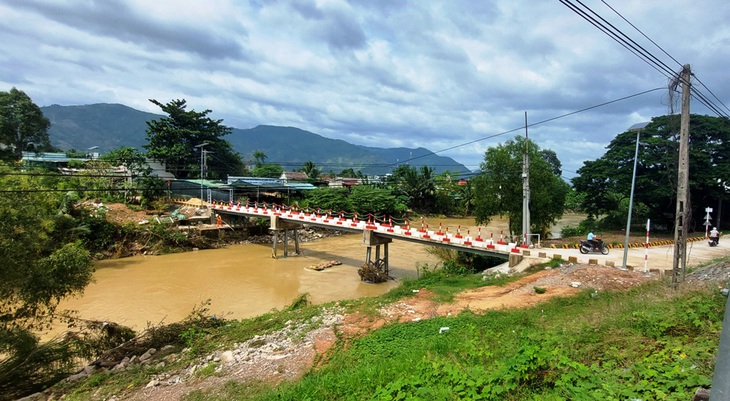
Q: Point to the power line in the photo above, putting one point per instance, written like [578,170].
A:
[620,37]
[642,33]
[539,122]
[638,50]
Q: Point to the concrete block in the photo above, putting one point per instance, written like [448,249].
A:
[610,263]
[514,259]
[542,254]
[592,261]
[573,259]
[526,253]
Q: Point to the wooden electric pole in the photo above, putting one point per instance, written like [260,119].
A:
[682,216]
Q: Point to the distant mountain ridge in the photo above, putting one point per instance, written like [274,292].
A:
[109,126]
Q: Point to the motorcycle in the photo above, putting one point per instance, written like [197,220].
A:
[586,247]
[713,241]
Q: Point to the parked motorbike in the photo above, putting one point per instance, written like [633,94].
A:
[586,247]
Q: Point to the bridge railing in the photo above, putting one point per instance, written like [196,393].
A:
[384,226]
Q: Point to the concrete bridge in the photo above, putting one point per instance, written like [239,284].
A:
[375,234]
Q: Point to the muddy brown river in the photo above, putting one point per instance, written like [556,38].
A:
[243,280]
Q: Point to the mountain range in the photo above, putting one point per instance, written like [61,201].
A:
[104,127]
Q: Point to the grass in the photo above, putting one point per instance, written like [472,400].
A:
[647,343]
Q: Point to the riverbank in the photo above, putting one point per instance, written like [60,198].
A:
[254,354]
[156,232]
[178,272]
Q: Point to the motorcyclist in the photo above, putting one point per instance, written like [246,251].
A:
[715,235]
[591,241]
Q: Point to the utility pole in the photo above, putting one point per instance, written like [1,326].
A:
[682,216]
[526,190]
[202,168]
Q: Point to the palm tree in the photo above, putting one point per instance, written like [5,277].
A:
[260,157]
[311,169]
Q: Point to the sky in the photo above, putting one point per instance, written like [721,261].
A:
[453,76]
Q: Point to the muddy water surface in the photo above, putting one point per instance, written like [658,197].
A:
[243,280]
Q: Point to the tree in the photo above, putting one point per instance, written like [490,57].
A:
[418,187]
[173,139]
[311,169]
[259,157]
[40,261]
[129,157]
[551,158]
[350,173]
[466,198]
[498,189]
[606,182]
[268,170]
[139,180]
[22,126]
[376,201]
[335,199]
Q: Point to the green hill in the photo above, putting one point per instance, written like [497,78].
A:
[109,126]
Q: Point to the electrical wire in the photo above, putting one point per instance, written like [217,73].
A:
[539,122]
[620,37]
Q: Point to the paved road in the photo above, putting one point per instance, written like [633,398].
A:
[659,257]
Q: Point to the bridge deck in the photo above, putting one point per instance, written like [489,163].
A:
[425,237]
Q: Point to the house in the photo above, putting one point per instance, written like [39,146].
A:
[342,182]
[298,176]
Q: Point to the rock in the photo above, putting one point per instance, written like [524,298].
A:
[147,355]
[77,376]
[702,394]
[227,357]
[34,397]
[152,383]
[121,366]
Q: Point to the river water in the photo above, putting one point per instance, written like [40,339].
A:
[244,280]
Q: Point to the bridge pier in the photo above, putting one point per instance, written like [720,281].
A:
[279,226]
[370,240]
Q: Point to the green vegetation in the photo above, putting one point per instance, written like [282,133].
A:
[173,139]
[361,199]
[606,181]
[498,190]
[47,241]
[22,126]
[641,344]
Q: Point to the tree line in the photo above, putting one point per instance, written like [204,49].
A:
[600,189]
